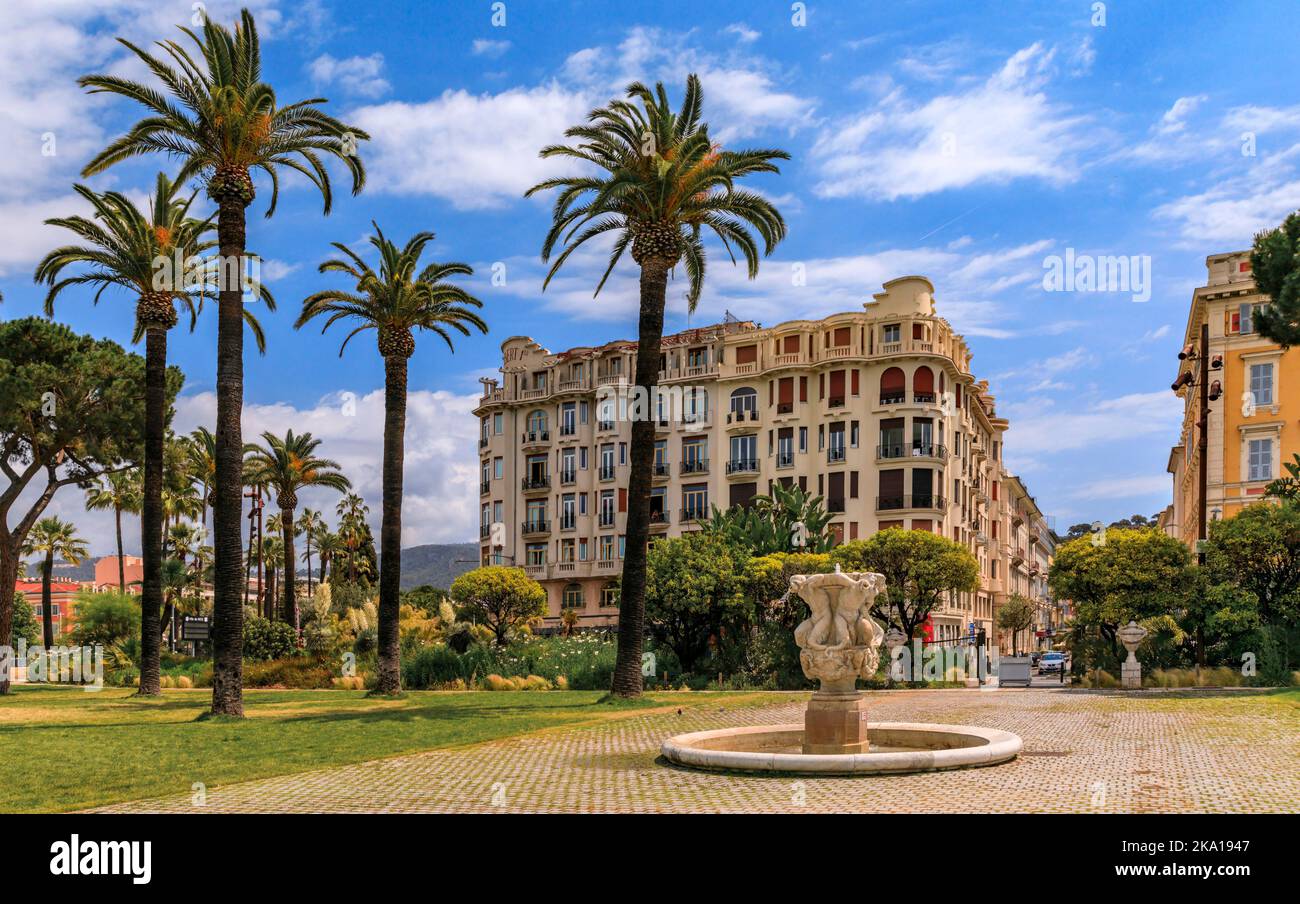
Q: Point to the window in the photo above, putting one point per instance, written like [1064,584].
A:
[1260,459]
[569,419]
[891,333]
[537,422]
[607,548]
[536,554]
[695,501]
[1261,383]
[744,453]
[498,423]
[803,439]
[609,596]
[744,403]
[572,598]
[498,468]
[893,387]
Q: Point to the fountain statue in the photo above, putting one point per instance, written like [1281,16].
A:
[838,643]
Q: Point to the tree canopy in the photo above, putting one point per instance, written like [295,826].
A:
[694,589]
[1275,264]
[502,598]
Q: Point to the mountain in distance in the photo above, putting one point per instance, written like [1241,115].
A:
[437,564]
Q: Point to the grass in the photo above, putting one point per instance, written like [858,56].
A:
[65,749]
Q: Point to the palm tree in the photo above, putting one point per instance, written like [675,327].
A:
[352,511]
[119,491]
[223,121]
[328,545]
[185,540]
[53,537]
[664,180]
[123,247]
[287,465]
[309,522]
[271,551]
[201,453]
[393,302]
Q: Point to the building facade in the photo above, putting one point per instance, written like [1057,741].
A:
[107,574]
[876,410]
[63,607]
[1254,426]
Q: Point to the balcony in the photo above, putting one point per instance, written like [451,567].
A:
[568,521]
[785,407]
[835,506]
[611,378]
[484,487]
[693,515]
[534,484]
[835,402]
[578,385]
[695,466]
[572,569]
[742,466]
[605,565]
[923,398]
[606,472]
[911,450]
[893,398]
[484,530]
[836,454]
[536,526]
[788,359]
[661,471]
[535,437]
[568,477]
[658,518]
[742,415]
[927,501]
[534,394]
[606,518]
[837,351]
[785,459]
[604,426]
[482,442]
[536,572]
[568,430]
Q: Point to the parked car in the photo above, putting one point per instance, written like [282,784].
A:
[1034,656]
[1051,662]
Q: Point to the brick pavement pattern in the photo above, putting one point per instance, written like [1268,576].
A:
[1104,752]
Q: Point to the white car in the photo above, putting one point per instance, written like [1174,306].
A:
[1052,662]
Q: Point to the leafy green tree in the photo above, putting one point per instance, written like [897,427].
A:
[1287,488]
[767,584]
[221,120]
[24,622]
[695,590]
[119,491]
[504,599]
[1275,264]
[1132,575]
[289,464]
[394,302]
[654,179]
[71,413]
[789,520]
[1014,616]
[53,537]
[920,568]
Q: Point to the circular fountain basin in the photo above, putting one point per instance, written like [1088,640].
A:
[896,747]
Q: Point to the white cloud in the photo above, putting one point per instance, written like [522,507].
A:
[1041,427]
[441,474]
[474,150]
[356,75]
[490,49]
[743,32]
[998,131]
[1227,215]
[1124,487]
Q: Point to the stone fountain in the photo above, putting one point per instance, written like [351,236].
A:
[838,643]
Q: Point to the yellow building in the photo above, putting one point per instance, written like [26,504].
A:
[1254,425]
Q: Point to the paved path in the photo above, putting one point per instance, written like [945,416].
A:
[1084,752]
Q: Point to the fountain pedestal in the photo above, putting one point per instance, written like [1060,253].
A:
[837,644]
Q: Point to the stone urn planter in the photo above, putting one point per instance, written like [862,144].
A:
[1131,635]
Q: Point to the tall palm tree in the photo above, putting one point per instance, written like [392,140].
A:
[222,121]
[393,302]
[271,552]
[53,537]
[289,464]
[660,181]
[309,522]
[123,248]
[184,540]
[121,492]
[202,458]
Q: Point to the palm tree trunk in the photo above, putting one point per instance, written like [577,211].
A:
[151,511]
[121,565]
[389,679]
[47,616]
[227,506]
[631,609]
[307,537]
[290,597]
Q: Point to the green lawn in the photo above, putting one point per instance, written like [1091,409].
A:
[65,749]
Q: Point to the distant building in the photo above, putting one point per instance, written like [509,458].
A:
[106,574]
[62,608]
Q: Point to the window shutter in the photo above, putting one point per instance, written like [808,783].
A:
[747,354]
[786,393]
[854,383]
[837,385]
[803,389]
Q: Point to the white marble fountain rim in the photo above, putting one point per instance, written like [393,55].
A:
[998,747]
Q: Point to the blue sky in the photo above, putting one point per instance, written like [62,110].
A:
[967,142]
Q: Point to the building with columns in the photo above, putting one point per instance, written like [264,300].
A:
[876,410]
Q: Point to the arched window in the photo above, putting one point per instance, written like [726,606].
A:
[893,386]
[537,421]
[572,598]
[744,402]
[923,384]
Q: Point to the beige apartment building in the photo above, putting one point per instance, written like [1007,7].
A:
[1252,428]
[876,410]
